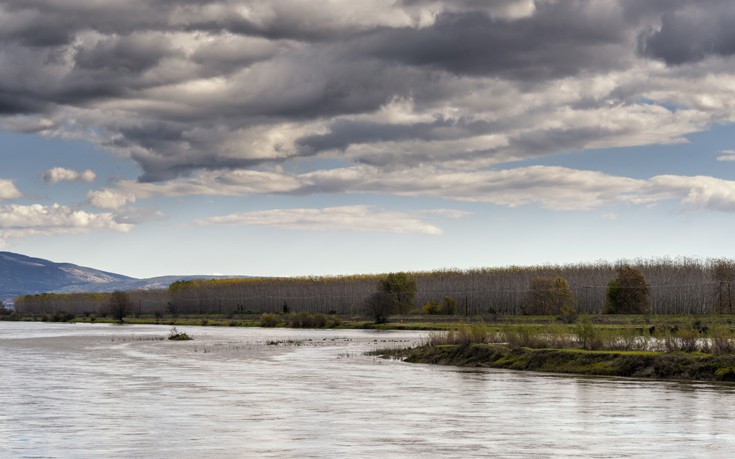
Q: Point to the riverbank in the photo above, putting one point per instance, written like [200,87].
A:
[637,364]
[640,324]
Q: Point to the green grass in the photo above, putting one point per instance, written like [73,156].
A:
[611,324]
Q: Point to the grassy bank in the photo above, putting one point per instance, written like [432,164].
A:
[660,347]
[640,324]
[640,364]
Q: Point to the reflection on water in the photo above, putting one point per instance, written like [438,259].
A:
[110,391]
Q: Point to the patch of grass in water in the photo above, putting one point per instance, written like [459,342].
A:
[175,335]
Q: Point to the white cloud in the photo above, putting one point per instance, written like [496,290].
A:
[555,188]
[609,216]
[700,192]
[448,213]
[345,218]
[8,190]
[61,174]
[17,221]
[550,187]
[109,199]
[727,155]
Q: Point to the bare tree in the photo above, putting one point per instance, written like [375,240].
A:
[724,274]
[120,305]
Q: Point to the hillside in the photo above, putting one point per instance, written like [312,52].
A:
[20,275]
[23,275]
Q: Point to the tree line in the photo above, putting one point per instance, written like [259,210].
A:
[674,286]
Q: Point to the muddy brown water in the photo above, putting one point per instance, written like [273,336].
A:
[89,391]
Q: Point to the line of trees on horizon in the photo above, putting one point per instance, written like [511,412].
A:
[674,286]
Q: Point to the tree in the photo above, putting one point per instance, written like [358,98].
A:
[380,305]
[548,296]
[402,288]
[120,305]
[628,293]
[724,275]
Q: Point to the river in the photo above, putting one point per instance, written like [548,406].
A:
[89,391]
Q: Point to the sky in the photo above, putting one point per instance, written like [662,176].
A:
[292,137]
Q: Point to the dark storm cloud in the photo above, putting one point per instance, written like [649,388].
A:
[692,32]
[12,103]
[559,40]
[128,54]
[182,85]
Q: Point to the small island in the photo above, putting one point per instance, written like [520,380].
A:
[175,335]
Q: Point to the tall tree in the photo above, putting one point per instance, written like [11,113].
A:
[402,288]
[628,293]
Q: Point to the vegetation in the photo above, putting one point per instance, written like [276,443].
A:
[662,350]
[7,314]
[175,335]
[680,286]
[638,364]
[724,275]
[120,305]
[628,293]
[379,306]
[665,335]
[300,320]
[402,289]
[549,296]
[447,306]
[269,320]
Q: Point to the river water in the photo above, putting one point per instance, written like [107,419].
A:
[89,391]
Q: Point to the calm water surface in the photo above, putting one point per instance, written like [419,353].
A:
[109,391]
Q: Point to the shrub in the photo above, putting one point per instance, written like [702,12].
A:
[304,320]
[447,307]
[431,308]
[267,320]
[474,333]
[549,296]
[307,320]
[333,320]
[628,293]
[62,316]
[721,341]
[568,314]
[588,335]
[7,314]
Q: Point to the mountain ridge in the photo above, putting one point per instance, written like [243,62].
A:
[23,275]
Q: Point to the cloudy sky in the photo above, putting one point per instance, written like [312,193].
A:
[292,137]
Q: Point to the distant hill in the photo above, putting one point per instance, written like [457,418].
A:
[22,275]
